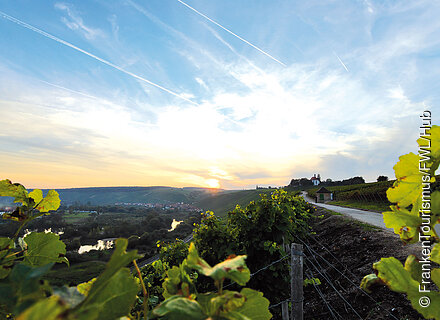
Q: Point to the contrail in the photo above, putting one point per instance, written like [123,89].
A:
[73,91]
[229,31]
[48,35]
[343,64]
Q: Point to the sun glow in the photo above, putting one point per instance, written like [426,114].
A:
[212,183]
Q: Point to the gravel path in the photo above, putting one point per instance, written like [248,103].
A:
[369,217]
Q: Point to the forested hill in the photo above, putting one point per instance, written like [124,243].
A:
[112,195]
[218,200]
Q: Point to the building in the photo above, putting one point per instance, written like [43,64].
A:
[316,180]
[323,195]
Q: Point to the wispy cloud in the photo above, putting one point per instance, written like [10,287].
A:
[110,64]
[234,34]
[74,22]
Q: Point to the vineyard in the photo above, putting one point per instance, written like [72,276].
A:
[237,267]
[373,191]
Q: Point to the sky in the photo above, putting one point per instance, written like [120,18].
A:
[229,94]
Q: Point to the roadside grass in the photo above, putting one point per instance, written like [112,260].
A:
[372,206]
[366,226]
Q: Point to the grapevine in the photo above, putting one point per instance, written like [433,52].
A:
[414,216]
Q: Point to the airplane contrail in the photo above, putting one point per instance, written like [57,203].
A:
[343,64]
[229,31]
[68,44]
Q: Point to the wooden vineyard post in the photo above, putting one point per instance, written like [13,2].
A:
[285,305]
[285,310]
[296,281]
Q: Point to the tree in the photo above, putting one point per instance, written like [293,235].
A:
[382,178]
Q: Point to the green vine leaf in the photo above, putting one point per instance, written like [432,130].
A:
[179,308]
[408,185]
[37,195]
[404,223]
[50,202]
[398,279]
[255,308]
[112,300]
[114,291]
[435,253]
[6,247]
[48,309]
[44,248]
[22,288]
[16,190]
[414,268]
[232,268]
[435,276]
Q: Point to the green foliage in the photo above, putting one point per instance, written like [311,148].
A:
[44,248]
[22,292]
[172,253]
[312,281]
[184,302]
[406,220]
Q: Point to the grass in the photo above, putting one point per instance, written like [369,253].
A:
[75,217]
[75,274]
[222,203]
[366,226]
[372,206]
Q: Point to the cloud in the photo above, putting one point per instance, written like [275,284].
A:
[254,124]
[74,22]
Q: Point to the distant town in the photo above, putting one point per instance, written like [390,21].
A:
[169,207]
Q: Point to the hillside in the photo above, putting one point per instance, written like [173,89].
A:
[112,195]
[221,203]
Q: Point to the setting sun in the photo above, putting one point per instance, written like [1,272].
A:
[212,183]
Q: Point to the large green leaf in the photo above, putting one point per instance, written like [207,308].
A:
[404,223]
[398,279]
[22,288]
[112,300]
[435,253]
[50,202]
[179,308]
[37,195]
[43,248]
[408,185]
[16,190]
[232,268]
[47,309]
[435,276]
[6,247]
[414,268]
[256,306]
[114,291]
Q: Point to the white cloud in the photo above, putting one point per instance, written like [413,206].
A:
[74,22]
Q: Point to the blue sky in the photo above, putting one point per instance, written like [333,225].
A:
[336,89]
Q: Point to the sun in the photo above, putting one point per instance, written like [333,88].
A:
[212,183]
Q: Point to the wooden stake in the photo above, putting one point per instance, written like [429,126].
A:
[296,281]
